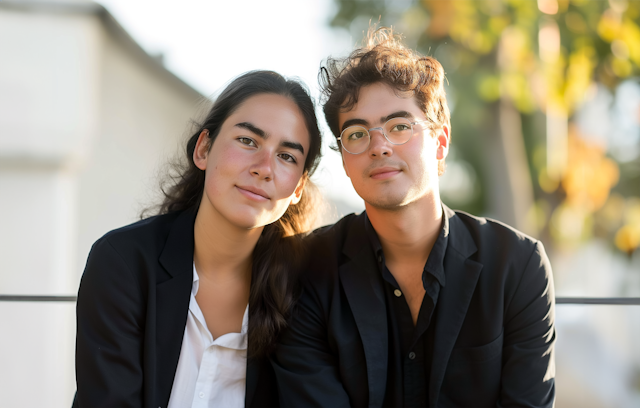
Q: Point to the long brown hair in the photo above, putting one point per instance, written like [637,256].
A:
[278,250]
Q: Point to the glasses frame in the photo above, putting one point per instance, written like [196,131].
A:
[381,129]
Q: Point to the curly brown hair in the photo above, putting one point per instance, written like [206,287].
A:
[384,59]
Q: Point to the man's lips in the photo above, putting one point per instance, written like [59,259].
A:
[253,193]
[383,172]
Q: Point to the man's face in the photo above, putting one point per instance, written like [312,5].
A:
[389,176]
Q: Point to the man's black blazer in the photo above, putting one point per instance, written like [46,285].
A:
[132,310]
[494,322]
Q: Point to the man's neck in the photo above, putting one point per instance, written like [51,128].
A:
[408,234]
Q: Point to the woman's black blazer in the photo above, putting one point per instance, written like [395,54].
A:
[132,310]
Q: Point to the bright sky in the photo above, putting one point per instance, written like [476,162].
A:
[207,43]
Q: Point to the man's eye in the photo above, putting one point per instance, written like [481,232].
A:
[247,141]
[288,157]
[400,127]
[356,135]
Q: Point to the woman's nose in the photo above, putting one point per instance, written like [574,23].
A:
[263,166]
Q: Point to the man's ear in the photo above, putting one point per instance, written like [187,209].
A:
[297,193]
[443,138]
[201,152]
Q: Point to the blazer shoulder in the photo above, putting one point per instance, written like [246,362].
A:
[144,236]
[330,238]
[324,248]
[487,231]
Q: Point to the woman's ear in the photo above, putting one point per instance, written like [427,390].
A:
[201,152]
[297,193]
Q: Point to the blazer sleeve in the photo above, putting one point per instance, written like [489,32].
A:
[528,369]
[110,312]
[306,370]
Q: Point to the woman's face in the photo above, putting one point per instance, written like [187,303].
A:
[253,171]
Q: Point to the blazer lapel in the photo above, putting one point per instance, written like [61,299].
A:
[363,288]
[172,301]
[461,278]
[253,372]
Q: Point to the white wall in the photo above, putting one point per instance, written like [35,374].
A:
[86,123]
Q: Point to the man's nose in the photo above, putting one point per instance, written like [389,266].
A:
[378,144]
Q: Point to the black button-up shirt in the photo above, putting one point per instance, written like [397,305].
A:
[410,347]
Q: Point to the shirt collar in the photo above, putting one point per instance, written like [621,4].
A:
[435,262]
[236,341]
[196,281]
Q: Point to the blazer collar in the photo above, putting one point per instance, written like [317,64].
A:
[462,276]
[172,300]
[177,254]
[364,290]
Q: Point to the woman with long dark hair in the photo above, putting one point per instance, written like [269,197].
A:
[181,309]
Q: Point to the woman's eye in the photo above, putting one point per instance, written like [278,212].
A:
[247,141]
[288,157]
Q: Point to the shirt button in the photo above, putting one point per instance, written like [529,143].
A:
[201,395]
[397,293]
[412,355]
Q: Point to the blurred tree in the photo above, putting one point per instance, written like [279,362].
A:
[518,70]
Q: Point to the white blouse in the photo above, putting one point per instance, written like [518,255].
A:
[210,373]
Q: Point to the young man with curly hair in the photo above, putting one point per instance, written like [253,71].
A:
[411,303]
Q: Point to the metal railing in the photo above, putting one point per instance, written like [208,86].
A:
[559,300]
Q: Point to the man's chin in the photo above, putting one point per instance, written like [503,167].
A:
[387,203]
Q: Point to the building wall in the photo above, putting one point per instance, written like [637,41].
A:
[86,123]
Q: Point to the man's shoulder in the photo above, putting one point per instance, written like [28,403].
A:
[492,226]
[492,237]
[334,232]
[325,247]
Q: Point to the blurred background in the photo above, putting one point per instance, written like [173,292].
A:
[96,99]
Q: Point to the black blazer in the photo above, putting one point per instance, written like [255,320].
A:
[132,310]
[494,322]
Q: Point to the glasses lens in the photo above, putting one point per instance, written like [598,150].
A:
[355,139]
[398,130]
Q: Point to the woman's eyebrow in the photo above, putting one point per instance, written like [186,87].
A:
[293,145]
[253,129]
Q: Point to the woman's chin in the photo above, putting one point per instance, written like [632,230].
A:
[249,221]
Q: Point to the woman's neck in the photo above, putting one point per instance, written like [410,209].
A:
[222,250]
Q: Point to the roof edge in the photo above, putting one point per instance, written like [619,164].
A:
[111,24]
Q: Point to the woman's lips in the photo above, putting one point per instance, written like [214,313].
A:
[253,193]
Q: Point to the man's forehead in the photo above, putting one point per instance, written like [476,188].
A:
[377,101]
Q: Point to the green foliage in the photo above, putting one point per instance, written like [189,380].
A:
[538,55]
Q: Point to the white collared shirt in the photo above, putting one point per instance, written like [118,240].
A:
[210,373]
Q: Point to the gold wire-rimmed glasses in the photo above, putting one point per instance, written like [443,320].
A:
[355,139]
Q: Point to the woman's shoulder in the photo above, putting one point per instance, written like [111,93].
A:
[147,235]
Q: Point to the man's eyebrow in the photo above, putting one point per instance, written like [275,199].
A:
[352,122]
[253,129]
[384,119]
[293,145]
[399,114]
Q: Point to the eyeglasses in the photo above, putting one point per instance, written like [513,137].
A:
[356,139]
